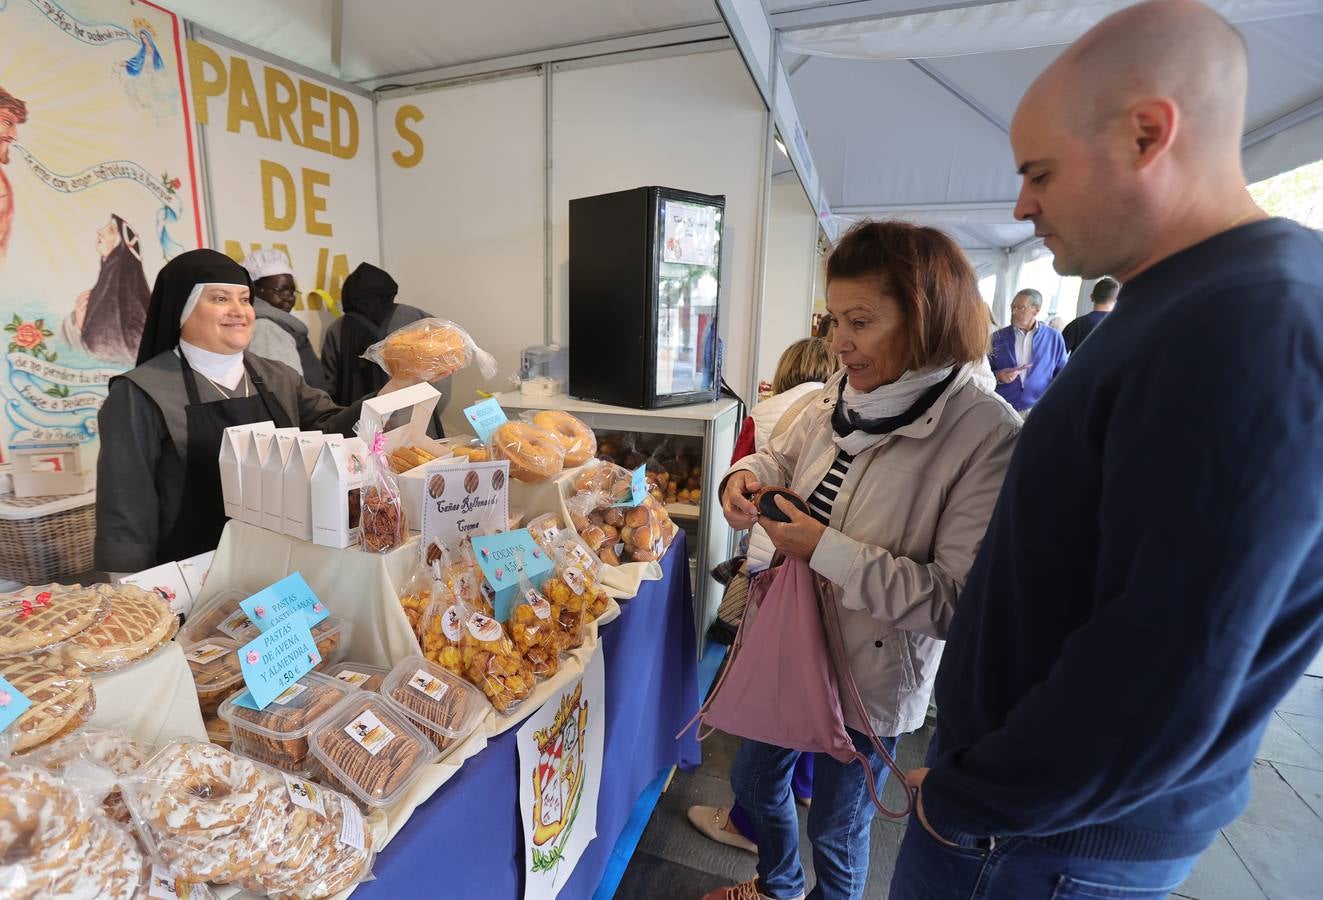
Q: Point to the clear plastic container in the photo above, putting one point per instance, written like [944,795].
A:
[369,748]
[219,617]
[216,673]
[359,675]
[332,638]
[279,733]
[219,733]
[444,706]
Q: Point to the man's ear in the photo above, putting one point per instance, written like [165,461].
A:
[1152,125]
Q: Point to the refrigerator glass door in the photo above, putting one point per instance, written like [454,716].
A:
[687,296]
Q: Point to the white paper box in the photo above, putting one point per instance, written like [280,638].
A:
[336,478]
[298,482]
[234,447]
[273,480]
[250,477]
[57,469]
[195,569]
[423,399]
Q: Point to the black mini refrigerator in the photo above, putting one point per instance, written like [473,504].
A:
[644,295]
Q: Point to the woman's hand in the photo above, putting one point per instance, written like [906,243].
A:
[735,503]
[798,538]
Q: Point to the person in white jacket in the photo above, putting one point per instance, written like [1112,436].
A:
[900,459]
[801,372]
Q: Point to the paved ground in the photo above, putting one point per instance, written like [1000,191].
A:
[1273,852]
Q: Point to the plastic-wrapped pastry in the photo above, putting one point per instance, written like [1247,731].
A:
[429,350]
[531,627]
[535,455]
[577,438]
[61,695]
[51,846]
[212,815]
[36,618]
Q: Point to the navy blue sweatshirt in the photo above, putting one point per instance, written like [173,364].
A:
[1128,627]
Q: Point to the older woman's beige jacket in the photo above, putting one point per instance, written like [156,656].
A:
[904,529]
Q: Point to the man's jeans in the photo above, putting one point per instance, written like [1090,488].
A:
[1020,869]
[837,824]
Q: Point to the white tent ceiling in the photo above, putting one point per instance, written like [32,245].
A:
[886,135]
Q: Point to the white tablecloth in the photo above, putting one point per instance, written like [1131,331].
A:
[361,588]
[153,701]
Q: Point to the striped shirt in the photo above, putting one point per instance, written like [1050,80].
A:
[821,500]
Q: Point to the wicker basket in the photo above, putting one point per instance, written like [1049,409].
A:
[44,539]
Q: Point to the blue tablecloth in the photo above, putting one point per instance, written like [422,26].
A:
[466,841]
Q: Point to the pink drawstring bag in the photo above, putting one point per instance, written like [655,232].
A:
[787,673]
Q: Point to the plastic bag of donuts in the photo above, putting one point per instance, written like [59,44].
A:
[382,512]
[212,815]
[91,762]
[578,440]
[55,846]
[531,628]
[535,454]
[429,350]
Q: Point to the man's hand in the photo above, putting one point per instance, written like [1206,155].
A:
[1006,376]
[735,503]
[914,781]
[799,537]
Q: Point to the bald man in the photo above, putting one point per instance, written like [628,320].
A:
[1123,637]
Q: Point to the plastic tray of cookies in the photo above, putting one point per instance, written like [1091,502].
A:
[280,732]
[332,639]
[444,706]
[216,674]
[369,748]
[218,732]
[219,617]
[359,675]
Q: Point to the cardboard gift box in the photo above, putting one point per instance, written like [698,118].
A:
[53,470]
[273,481]
[296,488]
[420,400]
[234,447]
[338,475]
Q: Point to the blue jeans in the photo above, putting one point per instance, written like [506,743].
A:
[837,824]
[801,786]
[1020,869]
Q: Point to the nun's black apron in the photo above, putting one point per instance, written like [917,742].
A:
[202,513]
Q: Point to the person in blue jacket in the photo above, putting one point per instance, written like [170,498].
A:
[1026,354]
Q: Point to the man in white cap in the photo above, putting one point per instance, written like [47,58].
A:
[277,334]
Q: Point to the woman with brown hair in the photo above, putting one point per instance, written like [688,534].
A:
[900,458]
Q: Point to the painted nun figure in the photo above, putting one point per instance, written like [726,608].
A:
[158,479]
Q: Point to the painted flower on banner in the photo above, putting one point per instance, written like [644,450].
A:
[170,183]
[29,337]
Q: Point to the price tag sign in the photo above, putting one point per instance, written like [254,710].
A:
[464,500]
[273,604]
[638,488]
[275,659]
[498,558]
[13,703]
[485,417]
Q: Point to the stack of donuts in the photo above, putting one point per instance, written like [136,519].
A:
[540,448]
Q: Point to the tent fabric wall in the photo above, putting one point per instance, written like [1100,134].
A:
[462,227]
[787,308]
[694,122]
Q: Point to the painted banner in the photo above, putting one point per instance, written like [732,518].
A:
[560,773]
[98,189]
[291,164]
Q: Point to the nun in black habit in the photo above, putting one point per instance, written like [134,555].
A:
[158,479]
